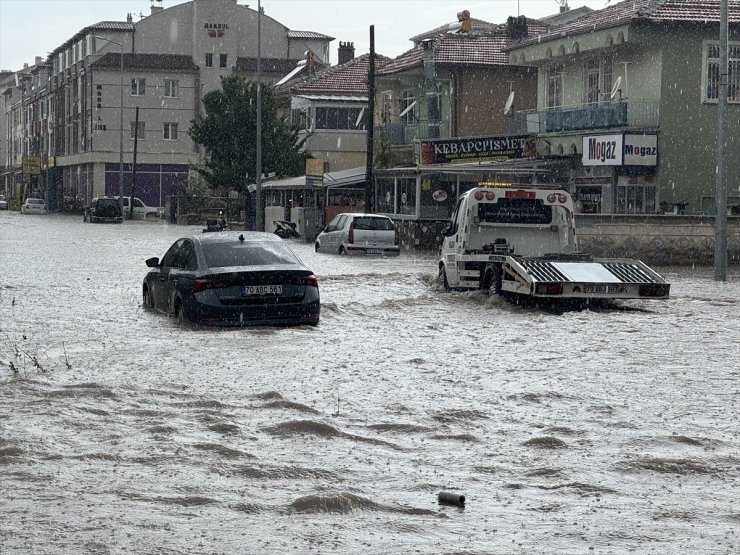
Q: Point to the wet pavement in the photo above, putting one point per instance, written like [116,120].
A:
[604,431]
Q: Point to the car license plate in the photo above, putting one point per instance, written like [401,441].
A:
[374,251]
[248,290]
[603,289]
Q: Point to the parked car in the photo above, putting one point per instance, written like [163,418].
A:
[3,202]
[141,210]
[103,210]
[33,206]
[366,234]
[232,278]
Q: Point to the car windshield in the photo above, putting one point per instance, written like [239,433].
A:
[107,202]
[221,255]
[35,201]
[374,224]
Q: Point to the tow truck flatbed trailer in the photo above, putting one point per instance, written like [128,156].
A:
[563,277]
[522,241]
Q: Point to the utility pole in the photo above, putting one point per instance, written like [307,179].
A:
[369,185]
[258,171]
[720,220]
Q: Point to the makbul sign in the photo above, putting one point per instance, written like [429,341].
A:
[470,149]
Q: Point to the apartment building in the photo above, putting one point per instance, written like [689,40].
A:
[73,118]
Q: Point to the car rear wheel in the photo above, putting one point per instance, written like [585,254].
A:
[316,246]
[179,312]
[148,300]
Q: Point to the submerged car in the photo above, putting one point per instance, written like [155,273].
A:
[3,202]
[33,206]
[365,234]
[103,210]
[232,278]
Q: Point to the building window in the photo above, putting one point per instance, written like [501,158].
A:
[555,86]
[386,110]
[171,87]
[407,107]
[711,73]
[170,131]
[591,82]
[222,60]
[209,60]
[138,86]
[635,199]
[141,130]
[336,118]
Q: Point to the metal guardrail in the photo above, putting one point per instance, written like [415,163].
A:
[584,117]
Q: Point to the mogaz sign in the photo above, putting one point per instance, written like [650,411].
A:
[620,149]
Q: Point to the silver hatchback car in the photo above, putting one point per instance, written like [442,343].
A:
[365,234]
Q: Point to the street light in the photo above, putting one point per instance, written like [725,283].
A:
[120,125]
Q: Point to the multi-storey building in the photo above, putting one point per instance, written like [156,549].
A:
[629,94]
[80,107]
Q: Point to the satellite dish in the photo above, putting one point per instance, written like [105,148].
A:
[509,103]
[615,87]
[408,109]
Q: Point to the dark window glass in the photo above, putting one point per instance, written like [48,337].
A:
[515,211]
[221,255]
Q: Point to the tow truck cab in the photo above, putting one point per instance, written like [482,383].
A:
[503,221]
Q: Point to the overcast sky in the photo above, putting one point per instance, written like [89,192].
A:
[30,28]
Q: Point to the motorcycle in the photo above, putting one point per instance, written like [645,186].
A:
[216,225]
[286,230]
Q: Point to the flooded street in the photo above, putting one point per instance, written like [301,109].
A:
[609,431]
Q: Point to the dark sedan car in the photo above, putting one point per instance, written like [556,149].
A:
[233,278]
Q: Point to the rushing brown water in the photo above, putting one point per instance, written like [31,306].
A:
[608,431]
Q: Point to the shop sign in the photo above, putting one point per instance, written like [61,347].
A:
[603,150]
[215,30]
[640,150]
[469,149]
[31,165]
[314,172]
[621,149]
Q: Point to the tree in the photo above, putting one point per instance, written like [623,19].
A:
[228,132]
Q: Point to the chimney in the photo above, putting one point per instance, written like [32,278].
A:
[346,52]
[129,18]
[39,60]
[564,6]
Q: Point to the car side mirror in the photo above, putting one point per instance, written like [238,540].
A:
[447,230]
[152,262]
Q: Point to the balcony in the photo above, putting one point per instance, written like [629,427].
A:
[399,133]
[633,114]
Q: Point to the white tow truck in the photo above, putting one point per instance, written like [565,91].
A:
[520,241]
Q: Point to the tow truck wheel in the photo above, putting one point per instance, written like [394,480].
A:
[442,278]
[492,280]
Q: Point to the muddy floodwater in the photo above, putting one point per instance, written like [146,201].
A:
[607,431]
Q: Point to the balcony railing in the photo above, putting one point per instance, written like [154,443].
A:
[585,117]
[399,133]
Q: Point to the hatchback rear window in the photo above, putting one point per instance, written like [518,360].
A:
[35,201]
[220,255]
[374,224]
